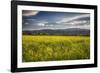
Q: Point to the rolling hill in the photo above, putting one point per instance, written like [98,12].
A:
[70,31]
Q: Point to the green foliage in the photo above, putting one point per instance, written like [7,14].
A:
[51,48]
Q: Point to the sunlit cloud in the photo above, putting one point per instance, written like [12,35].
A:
[78,22]
[74,18]
[26,23]
[41,24]
[29,12]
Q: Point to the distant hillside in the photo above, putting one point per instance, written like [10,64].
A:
[70,31]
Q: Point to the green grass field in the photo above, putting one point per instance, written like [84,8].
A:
[52,48]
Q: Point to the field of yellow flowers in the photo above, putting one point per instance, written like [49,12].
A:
[53,48]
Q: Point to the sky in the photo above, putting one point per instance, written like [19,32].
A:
[37,20]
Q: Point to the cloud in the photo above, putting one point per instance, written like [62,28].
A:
[68,24]
[71,21]
[26,23]
[74,18]
[41,24]
[29,12]
[79,22]
[31,19]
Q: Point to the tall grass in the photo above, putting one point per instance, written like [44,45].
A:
[51,48]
